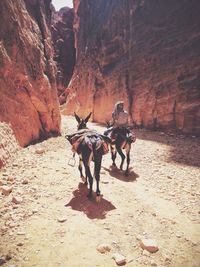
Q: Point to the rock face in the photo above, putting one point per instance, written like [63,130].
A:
[144,52]
[65,52]
[29,99]
[8,143]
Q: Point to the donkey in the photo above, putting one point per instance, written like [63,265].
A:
[82,123]
[121,139]
[91,146]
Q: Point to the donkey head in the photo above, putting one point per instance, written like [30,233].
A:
[82,123]
[108,124]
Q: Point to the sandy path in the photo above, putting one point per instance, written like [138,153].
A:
[160,200]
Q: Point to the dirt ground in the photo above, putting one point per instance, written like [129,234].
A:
[160,199]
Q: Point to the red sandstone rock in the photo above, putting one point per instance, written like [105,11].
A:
[143,52]
[10,179]
[149,245]
[28,86]
[119,259]
[8,143]
[6,190]
[64,50]
[17,200]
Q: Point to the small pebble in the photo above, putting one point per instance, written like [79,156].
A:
[119,259]
[149,245]
[25,181]
[17,200]
[61,220]
[21,233]
[178,235]
[103,248]
[6,190]
[39,150]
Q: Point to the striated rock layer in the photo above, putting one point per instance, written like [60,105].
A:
[27,71]
[145,52]
[65,53]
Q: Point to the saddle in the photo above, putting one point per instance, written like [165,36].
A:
[90,138]
[126,133]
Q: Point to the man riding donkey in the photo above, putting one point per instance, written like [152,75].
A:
[121,135]
[120,118]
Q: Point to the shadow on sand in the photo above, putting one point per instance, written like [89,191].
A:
[184,149]
[91,208]
[117,173]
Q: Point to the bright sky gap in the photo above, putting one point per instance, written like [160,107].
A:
[61,3]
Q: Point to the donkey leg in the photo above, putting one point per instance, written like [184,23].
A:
[128,148]
[128,162]
[97,176]
[86,161]
[113,155]
[97,168]
[89,175]
[90,178]
[119,150]
[84,179]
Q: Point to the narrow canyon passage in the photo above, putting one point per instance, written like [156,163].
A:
[54,224]
[85,58]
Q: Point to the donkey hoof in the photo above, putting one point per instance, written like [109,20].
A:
[126,173]
[113,167]
[98,199]
[83,179]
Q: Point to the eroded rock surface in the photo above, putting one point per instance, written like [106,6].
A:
[144,52]
[65,53]
[8,143]
[28,86]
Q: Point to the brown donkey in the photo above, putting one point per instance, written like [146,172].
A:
[121,139]
[89,145]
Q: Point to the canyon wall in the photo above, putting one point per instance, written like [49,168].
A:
[64,50]
[28,102]
[8,143]
[145,52]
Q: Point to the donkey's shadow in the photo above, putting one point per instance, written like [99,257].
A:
[117,173]
[92,209]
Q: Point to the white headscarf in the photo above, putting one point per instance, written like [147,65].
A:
[116,109]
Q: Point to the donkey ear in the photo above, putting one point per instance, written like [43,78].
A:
[77,117]
[87,118]
[108,124]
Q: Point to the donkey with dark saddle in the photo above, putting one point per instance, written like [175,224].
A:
[121,139]
[89,145]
